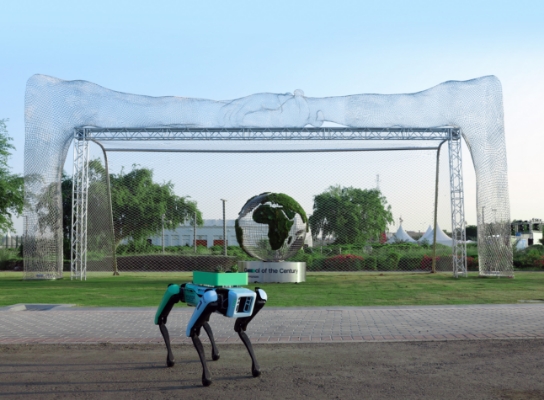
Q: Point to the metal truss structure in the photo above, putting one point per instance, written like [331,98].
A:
[329,133]
[80,195]
[83,135]
[457,197]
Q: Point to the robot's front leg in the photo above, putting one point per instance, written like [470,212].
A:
[215,350]
[173,295]
[240,326]
[207,305]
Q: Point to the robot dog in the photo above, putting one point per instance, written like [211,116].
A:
[232,302]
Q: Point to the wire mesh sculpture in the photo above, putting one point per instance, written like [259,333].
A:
[271,227]
[54,108]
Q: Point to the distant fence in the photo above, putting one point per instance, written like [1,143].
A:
[10,242]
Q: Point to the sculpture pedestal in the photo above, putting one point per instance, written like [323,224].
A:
[280,271]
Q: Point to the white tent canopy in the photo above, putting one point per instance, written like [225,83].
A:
[427,236]
[401,236]
[441,237]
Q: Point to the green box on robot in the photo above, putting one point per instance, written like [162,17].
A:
[220,278]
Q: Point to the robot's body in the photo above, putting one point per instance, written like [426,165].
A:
[232,302]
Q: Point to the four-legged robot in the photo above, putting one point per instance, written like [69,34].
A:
[233,302]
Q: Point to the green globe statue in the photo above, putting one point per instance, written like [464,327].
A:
[271,227]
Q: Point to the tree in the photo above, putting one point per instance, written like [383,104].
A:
[46,205]
[138,205]
[350,215]
[11,185]
[471,232]
[141,206]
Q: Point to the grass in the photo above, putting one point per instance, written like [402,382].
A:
[140,289]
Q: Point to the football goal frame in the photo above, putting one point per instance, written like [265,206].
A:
[84,136]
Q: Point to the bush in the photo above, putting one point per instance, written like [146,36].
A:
[410,262]
[186,250]
[472,249]
[427,263]
[302,256]
[472,264]
[203,250]
[6,258]
[389,262]
[308,249]
[444,263]
[166,262]
[531,257]
[344,262]
[371,263]
[138,247]
[539,263]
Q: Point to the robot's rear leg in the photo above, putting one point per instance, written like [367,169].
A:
[173,295]
[170,362]
[215,350]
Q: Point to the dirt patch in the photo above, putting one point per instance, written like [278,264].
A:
[485,369]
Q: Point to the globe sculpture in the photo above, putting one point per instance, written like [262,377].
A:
[271,227]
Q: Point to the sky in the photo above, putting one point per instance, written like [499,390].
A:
[225,50]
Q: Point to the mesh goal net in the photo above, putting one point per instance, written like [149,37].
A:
[369,210]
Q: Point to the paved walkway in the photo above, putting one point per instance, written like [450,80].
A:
[63,324]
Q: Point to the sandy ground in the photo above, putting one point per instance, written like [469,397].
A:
[479,369]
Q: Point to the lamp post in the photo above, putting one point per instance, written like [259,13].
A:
[224,229]
[194,232]
[162,219]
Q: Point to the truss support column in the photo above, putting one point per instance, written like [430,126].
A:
[80,194]
[457,207]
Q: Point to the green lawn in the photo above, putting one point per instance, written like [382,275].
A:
[320,289]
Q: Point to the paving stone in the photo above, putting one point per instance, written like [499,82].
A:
[128,325]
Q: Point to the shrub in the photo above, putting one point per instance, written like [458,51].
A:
[138,247]
[371,263]
[317,264]
[539,262]
[444,263]
[410,262]
[472,264]
[186,250]
[302,256]
[389,262]
[308,249]
[344,262]
[426,263]
[6,256]
[203,250]
[530,257]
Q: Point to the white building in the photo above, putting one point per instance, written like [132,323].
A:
[210,234]
[527,233]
